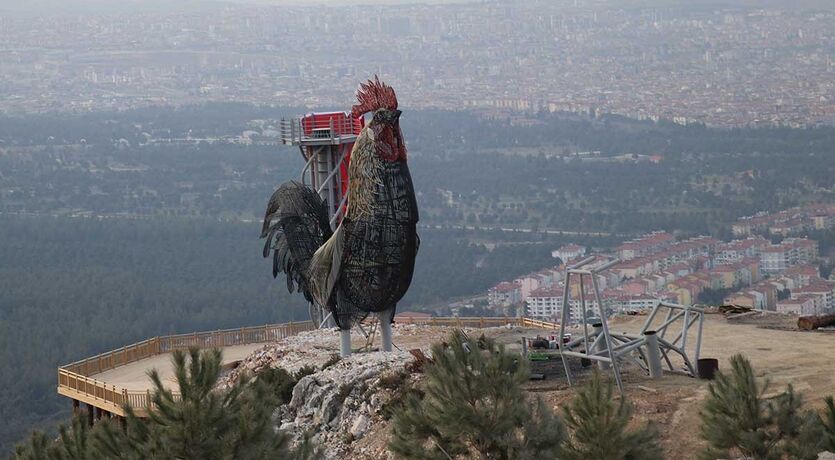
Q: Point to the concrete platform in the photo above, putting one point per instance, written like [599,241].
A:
[134,376]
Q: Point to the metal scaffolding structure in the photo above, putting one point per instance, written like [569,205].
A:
[325,141]
[650,349]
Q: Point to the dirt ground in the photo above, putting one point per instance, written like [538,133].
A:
[778,351]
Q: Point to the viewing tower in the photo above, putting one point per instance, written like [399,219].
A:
[325,140]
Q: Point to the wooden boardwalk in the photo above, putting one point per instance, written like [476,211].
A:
[134,376]
[109,382]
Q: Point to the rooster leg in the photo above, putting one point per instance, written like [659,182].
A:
[386,317]
[345,343]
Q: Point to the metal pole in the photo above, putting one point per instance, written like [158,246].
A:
[699,336]
[653,355]
[615,367]
[560,341]
[685,328]
[585,316]
[598,345]
[329,317]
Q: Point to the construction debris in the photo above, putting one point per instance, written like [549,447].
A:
[729,310]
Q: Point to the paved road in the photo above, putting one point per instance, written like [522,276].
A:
[519,230]
[134,376]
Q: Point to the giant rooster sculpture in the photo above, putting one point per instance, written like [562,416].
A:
[366,264]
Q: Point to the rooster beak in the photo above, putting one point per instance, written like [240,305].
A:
[397,114]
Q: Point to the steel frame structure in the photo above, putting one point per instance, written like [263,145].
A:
[611,350]
[324,149]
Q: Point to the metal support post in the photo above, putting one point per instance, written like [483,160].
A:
[563,346]
[385,329]
[345,343]
[615,366]
[653,354]
[599,345]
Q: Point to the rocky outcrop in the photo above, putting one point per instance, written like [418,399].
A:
[338,405]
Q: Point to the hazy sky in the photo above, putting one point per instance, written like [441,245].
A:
[111,6]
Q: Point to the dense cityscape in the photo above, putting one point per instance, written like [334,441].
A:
[753,272]
[719,66]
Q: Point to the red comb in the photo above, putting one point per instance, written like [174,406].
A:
[374,95]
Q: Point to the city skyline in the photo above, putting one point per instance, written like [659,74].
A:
[722,66]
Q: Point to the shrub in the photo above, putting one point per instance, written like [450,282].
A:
[599,427]
[472,405]
[738,420]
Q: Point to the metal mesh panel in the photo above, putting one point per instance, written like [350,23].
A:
[379,250]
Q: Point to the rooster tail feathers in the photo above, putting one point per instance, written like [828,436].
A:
[325,267]
[295,225]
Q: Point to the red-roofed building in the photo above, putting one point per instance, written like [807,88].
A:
[504,294]
[569,252]
[803,305]
[820,288]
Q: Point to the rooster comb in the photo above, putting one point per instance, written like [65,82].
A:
[374,95]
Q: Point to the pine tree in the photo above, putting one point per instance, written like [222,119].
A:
[75,442]
[737,419]
[202,423]
[473,405]
[827,425]
[198,423]
[599,427]
[36,449]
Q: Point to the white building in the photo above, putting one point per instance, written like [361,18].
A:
[569,252]
[546,304]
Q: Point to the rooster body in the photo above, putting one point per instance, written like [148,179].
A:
[366,264]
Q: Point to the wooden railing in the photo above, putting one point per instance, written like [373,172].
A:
[485,321]
[539,324]
[75,381]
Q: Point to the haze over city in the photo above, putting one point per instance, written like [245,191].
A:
[716,64]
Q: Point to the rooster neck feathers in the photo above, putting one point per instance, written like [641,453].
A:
[365,175]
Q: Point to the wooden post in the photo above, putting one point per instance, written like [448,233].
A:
[90,414]
[481,322]
[76,407]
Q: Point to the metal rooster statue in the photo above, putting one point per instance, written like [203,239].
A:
[364,266]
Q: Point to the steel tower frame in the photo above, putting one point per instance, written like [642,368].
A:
[324,143]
